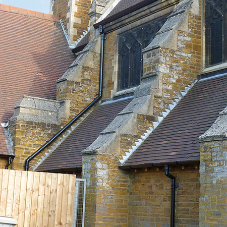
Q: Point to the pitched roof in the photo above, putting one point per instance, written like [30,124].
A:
[68,154]
[82,43]
[176,139]
[34,54]
[122,8]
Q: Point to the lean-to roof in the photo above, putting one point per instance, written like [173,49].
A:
[68,155]
[176,139]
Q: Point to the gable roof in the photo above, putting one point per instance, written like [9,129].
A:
[176,139]
[34,54]
[68,155]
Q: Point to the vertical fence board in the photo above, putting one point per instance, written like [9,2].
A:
[1,176]
[34,199]
[16,194]
[72,183]
[59,201]
[41,196]
[47,199]
[53,194]
[65,192]
[4,192]
[23,191]
[28,199]
[10,199]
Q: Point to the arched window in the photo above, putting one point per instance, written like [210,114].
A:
[130,48]
[215,32]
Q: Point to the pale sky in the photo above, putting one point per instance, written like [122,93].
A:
[36,5]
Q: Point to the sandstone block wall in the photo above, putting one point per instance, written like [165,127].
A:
[150,197]
[81,87]
[82,19]
[213,180]
[27,137]
[61,8]
[175,68]
[110,65]
[74,15]
[141,197]
[172,68]
[3,163]
[107,191]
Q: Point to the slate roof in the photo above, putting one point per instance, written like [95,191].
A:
[122,8]
[68,154]
[176,139]
[33,55]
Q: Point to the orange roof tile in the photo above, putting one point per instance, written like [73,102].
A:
[28,12]
[34,54]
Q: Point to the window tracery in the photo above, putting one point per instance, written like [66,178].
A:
[131,44]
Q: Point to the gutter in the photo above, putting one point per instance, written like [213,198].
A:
[173,187]
[26,167]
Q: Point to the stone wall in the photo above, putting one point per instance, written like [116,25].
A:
[34,122]
[107,191]
[140,197]
[213,180]
[213,177]
[74,15]
[3,163]
[27,137]
[175,61]
[150,197]
[110,65]
[61,8]
[79,86]
[82,19]
[169,67]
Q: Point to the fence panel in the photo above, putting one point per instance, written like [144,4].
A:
[37,199]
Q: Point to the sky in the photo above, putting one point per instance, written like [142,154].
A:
[36,5]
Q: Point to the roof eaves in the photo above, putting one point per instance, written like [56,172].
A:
[108,11]
[123,12]
[178,163]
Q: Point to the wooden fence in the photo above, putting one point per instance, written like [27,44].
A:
[37,199]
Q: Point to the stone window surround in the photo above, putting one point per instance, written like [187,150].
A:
[124,29]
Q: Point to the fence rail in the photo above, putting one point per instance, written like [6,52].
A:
[37,199]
